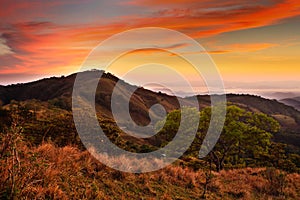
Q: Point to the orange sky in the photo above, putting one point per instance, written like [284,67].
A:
[250,41]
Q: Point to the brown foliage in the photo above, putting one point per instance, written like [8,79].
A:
[51,172]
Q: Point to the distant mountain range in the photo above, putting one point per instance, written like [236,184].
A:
[280,95]
[60,89]
[294,102]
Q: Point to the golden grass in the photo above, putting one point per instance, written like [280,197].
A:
[50,172]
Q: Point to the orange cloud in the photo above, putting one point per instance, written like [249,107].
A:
[48,46]
[245,47]
[251,47]
[40,47]
[183,3]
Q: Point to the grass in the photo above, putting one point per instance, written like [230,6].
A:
[285,120]
[57,170]
[51,172]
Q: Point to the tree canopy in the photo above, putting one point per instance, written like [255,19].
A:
[245,138]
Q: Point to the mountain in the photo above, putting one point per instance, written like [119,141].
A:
[294,102]
[58,91]
[280,95]
[42,146]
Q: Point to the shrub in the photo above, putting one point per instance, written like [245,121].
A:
[277,181]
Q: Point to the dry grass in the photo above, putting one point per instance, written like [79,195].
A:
[285,120]
[50,172]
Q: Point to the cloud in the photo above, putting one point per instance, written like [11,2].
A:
[182,3]
[251,47]
[19,10]
[217,52]
[4,49]
[31,44]
[40,46]
[233,48]
[207,18]
[161,48]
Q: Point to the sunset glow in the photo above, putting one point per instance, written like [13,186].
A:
[249,42]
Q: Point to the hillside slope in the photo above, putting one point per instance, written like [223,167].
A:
[58,91]
[50,172]
[294,102]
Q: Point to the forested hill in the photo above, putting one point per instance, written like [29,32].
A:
[58,91]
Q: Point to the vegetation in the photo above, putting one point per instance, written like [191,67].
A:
[51,172]
[55,166]
[41,155]
[245,137]
[58,91]
[246,140]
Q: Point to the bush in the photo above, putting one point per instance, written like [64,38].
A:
[277,181]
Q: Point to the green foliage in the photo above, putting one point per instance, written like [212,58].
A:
[61,102]
[169,127]
[244,141]
[278,157]
[245,137]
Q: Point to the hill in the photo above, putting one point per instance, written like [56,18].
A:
[294,102]
[41,155]
[58,91]
[50,172]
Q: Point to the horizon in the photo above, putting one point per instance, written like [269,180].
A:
[270,93]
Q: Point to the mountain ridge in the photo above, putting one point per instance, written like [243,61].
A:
[62,87]
[293,101]
[58,91]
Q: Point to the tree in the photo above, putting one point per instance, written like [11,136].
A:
[244,138]
[180,123]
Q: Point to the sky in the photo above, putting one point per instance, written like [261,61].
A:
[254,44]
